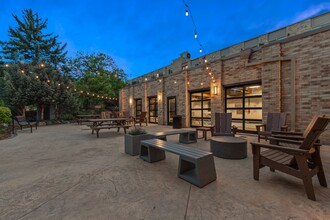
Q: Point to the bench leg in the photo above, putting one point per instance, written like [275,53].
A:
[151,154]
[97,133]
[200,172]
[188,138]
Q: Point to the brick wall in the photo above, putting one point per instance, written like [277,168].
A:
[305,59]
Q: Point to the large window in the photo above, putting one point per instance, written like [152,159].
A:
[200,108]
[138,107]
[153,110]
[245,104]
[171,109]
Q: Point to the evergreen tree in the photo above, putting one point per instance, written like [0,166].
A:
[35,72]
[28,44]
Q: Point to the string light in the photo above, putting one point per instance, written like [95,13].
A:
[188,12]
[37,77]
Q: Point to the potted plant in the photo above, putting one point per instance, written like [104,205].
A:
[133,139]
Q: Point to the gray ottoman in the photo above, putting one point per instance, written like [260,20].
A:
[229,147]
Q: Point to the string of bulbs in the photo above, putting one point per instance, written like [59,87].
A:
[189,13]
[60,84]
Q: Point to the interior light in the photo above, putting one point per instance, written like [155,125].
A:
[187,13]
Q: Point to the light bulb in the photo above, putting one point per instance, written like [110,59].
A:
[195,35]
[200,50]
[187,13]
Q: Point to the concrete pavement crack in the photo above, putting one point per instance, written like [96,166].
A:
[185,214]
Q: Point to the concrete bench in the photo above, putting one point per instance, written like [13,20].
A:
[98,128]
[186,136]
[195,166]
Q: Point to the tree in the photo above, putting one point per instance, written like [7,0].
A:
[96,73]
[28,44]
[35,74]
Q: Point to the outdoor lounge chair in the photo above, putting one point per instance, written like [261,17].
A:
[223,125]
[126,114]
[303,162]
[275,122]
[21,122]
[141,119]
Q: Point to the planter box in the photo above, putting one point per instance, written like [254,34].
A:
[132,143]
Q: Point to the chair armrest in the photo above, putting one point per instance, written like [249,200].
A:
[288,150]
[261,126]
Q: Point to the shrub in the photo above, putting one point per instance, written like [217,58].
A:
[136,131]
[5,115]
[67,117]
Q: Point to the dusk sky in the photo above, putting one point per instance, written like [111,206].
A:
[144,35]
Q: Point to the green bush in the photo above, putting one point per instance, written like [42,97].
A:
[67,117]
[5,115]
[136,131]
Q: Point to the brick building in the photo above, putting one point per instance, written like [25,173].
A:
[287,70]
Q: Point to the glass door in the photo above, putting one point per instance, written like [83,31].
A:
[153,110]
[138,107]
[200,109]
[171,109]
[245,104]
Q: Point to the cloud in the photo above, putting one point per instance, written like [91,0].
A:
[312,11]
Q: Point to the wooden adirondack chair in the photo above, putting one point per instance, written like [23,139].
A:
[141,119]
[303,162]
[126,114]
[275,122]
[223,125]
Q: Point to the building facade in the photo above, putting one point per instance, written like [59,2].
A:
[287,70]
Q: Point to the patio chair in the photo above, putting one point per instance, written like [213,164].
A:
[275,122]
[141,119]
[114,114]
[21,122]
[126,114]
[303,161]
[223,125]
[105,115]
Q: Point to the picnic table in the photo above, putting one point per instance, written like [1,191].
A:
[108,123]
[84,118]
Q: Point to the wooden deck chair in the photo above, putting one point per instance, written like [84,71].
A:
[223,125]
[105,115]
[141,119]
[275,122]
[302,162]
[130,119]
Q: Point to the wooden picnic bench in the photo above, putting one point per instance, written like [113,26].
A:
[98,128]
[186,136]
[195,166]
[108,123]
[84,118]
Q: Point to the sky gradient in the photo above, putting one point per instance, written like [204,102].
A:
[145,35]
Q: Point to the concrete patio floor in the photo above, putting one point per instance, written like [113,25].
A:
[64,172]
